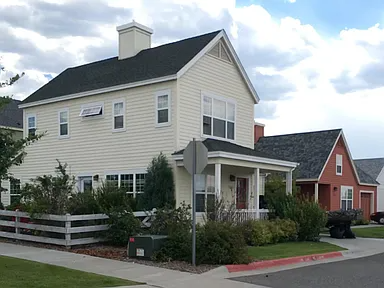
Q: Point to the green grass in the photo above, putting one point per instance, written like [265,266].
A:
[291,249]
[374,232]
[16,273]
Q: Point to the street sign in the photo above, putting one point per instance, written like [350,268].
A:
[201,157]
[195,160]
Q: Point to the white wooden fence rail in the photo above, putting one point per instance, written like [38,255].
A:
[17,229]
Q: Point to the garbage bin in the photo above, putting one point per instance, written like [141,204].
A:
[143,246]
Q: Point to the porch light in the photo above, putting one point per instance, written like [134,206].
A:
[232,178]
[96,177]
[335,188]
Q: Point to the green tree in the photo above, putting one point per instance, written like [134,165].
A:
[159,188]
[12,152]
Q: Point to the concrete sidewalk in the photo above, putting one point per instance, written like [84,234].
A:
[153,276]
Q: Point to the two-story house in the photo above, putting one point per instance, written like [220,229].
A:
[109,118]
[11,118]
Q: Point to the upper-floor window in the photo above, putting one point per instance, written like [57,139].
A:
[339,164]
[63,123]
[163,108]
[219,117]
[31,122]
[118,112]
[92,110]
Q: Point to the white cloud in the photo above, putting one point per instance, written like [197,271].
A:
[307,81]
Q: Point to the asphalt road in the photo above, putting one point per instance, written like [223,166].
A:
[355,273]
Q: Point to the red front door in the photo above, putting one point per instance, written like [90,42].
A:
[241,193]
[366,204]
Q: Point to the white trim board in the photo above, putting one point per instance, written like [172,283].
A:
[180,73]
[11,128]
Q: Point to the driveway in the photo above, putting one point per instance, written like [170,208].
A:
[354,273]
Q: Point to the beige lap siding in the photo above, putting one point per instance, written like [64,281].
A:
[92,148]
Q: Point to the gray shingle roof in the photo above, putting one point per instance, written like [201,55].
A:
[161,61]
[372,167]
[214,145]
[365,177]
[310,149]
[11,115]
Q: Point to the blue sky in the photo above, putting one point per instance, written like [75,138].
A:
[326,16]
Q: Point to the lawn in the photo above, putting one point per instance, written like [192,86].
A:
[374,232]
[15,273]
[291,249]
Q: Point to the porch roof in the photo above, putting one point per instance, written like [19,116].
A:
[219,146]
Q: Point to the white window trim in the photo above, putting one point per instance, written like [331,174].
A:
[341,157]
[341,195]
[157,95]
[206,194]
[213,96]
[10,191]
[113,115]
[372,200]
[59,123]
[88,105]
[83,175]
[119,173]
[27,123]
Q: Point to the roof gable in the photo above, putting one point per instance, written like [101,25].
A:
[11,115]
[157,62]
[372,167]
[311,150]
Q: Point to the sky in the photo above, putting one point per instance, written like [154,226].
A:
[316,64]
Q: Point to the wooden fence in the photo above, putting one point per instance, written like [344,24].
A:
[65,230]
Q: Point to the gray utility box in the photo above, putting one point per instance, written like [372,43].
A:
[144,246]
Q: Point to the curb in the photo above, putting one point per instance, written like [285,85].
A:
[281,262]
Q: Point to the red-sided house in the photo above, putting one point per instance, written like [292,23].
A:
[326,170]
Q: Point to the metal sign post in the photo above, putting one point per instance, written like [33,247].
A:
[195,158]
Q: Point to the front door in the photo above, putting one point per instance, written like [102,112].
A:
[366,204]
[241,193]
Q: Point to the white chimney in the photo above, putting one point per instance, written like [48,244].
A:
[133,37]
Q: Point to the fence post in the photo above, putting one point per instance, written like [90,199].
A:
[17,221]
[68,231]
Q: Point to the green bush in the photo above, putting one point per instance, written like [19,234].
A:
[159,187]
[83,203]
[168,221]
[122,225]
[360,222]
[220,243]
[112,198]
[310,218]
[259,233]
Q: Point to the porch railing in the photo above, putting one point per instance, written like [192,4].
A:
[243,215]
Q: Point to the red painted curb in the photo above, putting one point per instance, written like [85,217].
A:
[281,262]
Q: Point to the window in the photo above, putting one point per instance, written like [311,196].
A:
[218,118]
[91,111]
[205,192]
[346,197]
[85,183]
[163,108]
[118,112]
[63,123]
[219,51]
[339,164]
[133,183]
[31,121]
[14,190]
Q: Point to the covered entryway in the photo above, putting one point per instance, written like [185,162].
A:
[366,203]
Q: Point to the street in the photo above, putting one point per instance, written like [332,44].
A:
[355,273]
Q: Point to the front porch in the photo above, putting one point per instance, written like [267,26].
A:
[235,178]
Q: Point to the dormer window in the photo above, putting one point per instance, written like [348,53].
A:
[91,111]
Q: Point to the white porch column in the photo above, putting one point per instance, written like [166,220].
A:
[316,192]
[256,192]
[218,180]
[289,182]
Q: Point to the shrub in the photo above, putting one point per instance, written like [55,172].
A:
[220,243]
[168,221]
[261,234]
[219,210]
[159,188]
[48,194]
[310,217]
[122,225]
[289,229]
[112,198]
[360,222]
[83,203]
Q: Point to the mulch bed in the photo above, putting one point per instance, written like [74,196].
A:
[117,253]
